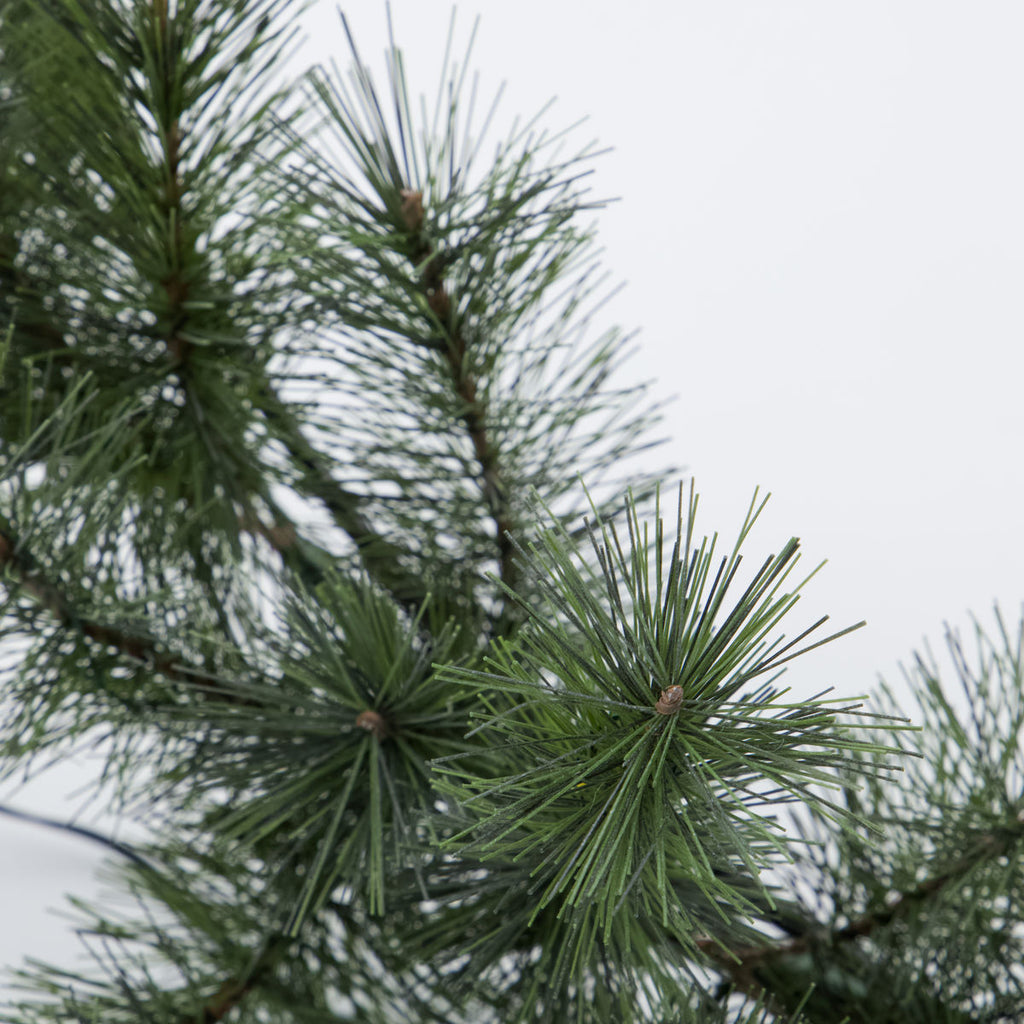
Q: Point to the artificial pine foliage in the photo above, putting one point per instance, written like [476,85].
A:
[319,516]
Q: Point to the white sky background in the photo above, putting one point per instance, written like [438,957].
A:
[821,224]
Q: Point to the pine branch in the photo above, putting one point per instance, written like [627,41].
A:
[45,337]
[650,713]
[233,991]
[175,283]
[741,965]
[165,194]
[989,846]
[136,646]
[453,345]
[381,557]
[605,837]
[450,295]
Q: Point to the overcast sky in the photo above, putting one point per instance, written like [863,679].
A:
[821,227]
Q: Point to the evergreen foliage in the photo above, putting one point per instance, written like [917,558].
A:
[300,389]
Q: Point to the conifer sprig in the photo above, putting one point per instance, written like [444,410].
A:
[640,752]
[325,766]
[943,857]
[458,302]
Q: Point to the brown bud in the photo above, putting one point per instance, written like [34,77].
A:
[282,536]
[669,701]
[412,208]
[373,722]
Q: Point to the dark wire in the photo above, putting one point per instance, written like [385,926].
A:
[79,830]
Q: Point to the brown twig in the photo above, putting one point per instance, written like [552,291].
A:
[233,991]
[175,284]
[988,846]
[742,964]
[227,997]
[135,646]
[474,416]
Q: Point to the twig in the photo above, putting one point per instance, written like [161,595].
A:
[140,648]
[474,417]
[742,964]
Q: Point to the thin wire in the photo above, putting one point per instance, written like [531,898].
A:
[79,830]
